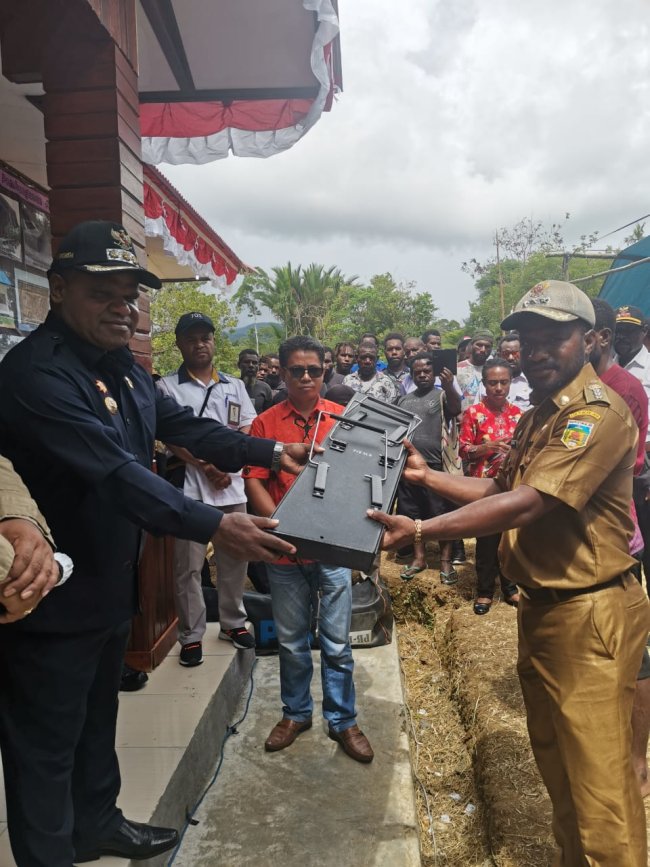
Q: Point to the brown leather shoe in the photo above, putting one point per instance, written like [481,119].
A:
[354,743]
[284,734]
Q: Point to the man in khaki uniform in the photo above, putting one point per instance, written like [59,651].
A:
[562,501]
[28,570]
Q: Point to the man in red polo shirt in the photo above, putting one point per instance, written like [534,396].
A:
[295,583]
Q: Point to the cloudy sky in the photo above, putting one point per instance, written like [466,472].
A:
[455,119]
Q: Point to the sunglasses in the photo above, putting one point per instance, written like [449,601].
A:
[312,371]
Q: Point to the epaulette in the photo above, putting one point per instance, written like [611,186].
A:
[595,392]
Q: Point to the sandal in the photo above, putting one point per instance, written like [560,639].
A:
[450,576]
[482,607]
[411,571]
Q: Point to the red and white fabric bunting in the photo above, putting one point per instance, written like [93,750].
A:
[184,243]
[200,132]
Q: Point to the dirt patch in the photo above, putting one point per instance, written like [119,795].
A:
[467,725]
[480,798]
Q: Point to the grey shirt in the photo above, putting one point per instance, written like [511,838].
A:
[427,436]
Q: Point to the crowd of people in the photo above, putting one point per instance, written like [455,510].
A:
[534,444]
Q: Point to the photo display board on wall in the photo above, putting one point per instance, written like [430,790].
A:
[25,256]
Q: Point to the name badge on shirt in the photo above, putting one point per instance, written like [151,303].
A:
[234,414]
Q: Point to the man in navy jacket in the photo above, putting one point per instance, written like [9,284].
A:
[78,418]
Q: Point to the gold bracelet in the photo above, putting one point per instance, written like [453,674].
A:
[418,531]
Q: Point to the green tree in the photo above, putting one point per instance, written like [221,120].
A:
[299,298]
[380,307]
[264,338]
[168,305]
[244,299]
[486,311]
[637,234]
[524,255]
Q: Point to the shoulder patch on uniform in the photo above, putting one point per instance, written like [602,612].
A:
[580,413]
[595,392]
[576,434]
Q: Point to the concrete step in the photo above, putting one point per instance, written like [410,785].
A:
[169,737]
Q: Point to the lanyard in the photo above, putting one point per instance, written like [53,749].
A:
[216,379]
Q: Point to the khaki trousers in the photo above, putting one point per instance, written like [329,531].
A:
[578,662]
[190,606]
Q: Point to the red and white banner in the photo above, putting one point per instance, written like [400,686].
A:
[200,132]
[185,235]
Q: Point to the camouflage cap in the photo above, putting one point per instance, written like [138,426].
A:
[553,299]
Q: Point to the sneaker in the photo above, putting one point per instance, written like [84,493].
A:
[191,654]
[458,552]
[240,637]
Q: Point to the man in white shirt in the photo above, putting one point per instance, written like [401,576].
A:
[629,345]
[211,394]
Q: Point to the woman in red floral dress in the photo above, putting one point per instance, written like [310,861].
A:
[486,431]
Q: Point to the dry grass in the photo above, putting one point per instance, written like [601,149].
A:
[451,816]
[468,732]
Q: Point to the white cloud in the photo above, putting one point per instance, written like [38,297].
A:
[455,119]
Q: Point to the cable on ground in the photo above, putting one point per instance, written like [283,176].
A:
[230,730]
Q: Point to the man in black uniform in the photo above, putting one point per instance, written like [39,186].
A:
[429,404]
[78,418]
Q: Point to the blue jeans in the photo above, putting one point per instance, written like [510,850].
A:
[292,590]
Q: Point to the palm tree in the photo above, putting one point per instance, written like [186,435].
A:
[299,298]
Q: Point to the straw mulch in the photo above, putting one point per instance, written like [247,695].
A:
[480,798]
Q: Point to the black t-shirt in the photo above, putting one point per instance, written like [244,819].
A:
[261,395]
[427,436]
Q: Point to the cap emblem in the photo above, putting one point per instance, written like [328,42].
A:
[536,296]
[116,255]
[122,238]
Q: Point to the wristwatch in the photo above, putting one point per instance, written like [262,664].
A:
[278,448]
[65,567]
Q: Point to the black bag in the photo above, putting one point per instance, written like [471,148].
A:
[372,616]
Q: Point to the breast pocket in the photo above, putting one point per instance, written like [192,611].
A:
[140,420]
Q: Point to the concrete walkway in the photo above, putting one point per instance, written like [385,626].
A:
[164,733]
[311,805]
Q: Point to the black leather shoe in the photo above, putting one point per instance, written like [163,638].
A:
[132,680]
[131,840]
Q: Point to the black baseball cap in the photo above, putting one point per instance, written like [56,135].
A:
[97,246]
[189,320]
[630,315]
